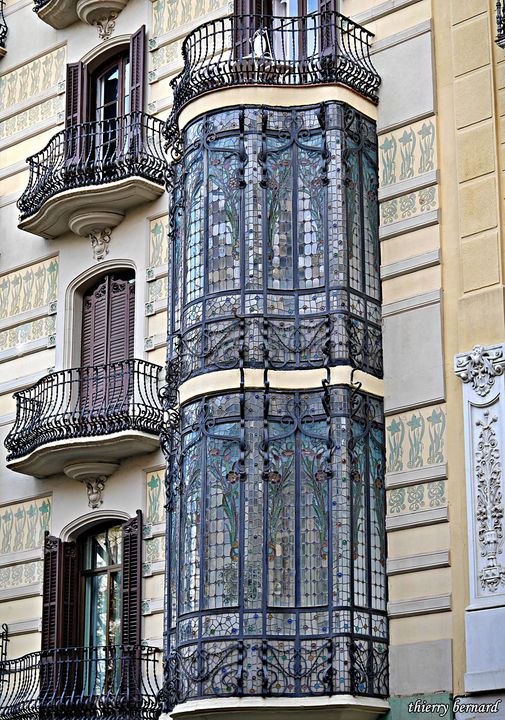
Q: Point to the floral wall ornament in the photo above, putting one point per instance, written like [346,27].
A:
[480,367]
[106,25]
[95,487]
[490,510]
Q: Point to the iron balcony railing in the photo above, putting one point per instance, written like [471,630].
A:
[500,23]
[86,402]
[95,153]
[119,682]
[37,4]
[312,49]
[3,25]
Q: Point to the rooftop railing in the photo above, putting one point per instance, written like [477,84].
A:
[313,49]
[118,682]
[95,153]
[86,402]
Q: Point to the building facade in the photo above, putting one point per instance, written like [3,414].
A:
[252,352]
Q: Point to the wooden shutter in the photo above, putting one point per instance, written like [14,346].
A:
[328,10]
[94,347]
[137,54]
[120,344]
[249,15]
[121,318]
[131,582]
[59,602]
[75,110]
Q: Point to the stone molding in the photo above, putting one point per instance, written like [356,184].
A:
[420,606]
[410,265]
[409,224]
[414,563]
[415,519]
[416,476]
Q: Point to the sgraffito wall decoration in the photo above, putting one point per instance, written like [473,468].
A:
[155,512]
[32,79]
[410,205]
[32,116]
[22,525]
[407,153]
[414,498]
[415,439]
[31,287]
[172,14]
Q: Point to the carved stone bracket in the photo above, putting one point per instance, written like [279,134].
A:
[100,240]
[106,25]
[93,476]
[480,367]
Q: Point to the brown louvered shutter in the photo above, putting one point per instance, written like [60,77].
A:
[328,10]
[120,343]
[51,588]
[59,602]
[94,347]
[250,16]
[131,583]
[75,109]
[137,54]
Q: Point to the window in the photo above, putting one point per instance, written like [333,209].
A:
[108,87]
[101,579]
[97,579]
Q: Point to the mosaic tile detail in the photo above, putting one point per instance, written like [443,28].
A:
[32,79]
[408,206]
[170,14]
[14,576]
[22,525]
[407,152]
[154,488]
[31,287]
[415,439]
[158,242]
[32,116]
[28,332]
[415,498]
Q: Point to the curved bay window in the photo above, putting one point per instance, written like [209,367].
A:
[275,252]
[277,578]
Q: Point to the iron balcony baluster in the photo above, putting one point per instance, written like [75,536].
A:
[108,682]
[314,49]
[87,402]
[95,153]
[3,25]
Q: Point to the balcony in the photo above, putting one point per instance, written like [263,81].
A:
[106,682]
[62,13]
[88,175]
[315,49]
[65,414]
[3,29]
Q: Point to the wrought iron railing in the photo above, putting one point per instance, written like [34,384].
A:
[500,23]
[103,682]
[313,49]
[37,4]
[3,24]
[95,153]
[86,402]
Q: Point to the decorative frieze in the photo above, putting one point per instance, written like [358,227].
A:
[481,371]
[416,439]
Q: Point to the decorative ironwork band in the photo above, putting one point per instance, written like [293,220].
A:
[313,49]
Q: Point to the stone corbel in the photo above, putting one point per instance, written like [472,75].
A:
[100,240]
[93,476]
